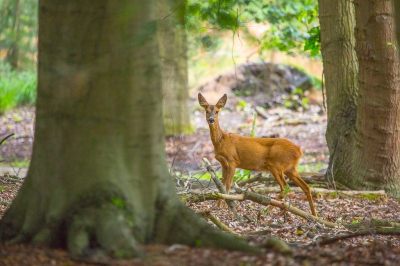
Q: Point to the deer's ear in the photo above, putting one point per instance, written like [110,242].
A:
[202,101]
[221,102]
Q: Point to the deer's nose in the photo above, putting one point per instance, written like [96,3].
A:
[211,120]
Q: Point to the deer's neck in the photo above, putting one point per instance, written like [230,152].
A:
[216,133]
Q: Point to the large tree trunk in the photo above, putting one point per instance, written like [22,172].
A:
[173,49]
[340,70]
[377,135]
[363,115]
[98,175]
[397,19]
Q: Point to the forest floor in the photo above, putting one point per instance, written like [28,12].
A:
[312,243]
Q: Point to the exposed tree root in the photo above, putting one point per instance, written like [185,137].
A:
[279,245]
[106,227]
[216,221]
[187,228]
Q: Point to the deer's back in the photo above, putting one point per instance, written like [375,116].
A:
[258,154]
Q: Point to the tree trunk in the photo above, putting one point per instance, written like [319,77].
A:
[340,70]
[173,52]
[363,115]
[377,137]
[12,56]
[397,20]
[98,175]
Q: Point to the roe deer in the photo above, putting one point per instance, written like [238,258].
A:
[276,155]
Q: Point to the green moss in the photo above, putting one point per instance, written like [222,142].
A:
[118,202]
[373,197]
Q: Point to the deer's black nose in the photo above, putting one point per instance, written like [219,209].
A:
[211,120]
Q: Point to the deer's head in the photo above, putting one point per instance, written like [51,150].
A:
[212,110]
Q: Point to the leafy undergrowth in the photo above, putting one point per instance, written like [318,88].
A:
[260,222]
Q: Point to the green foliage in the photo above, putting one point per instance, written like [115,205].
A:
[291,23]
[242,92]
[286,190]
[18,164]
[313,44]
[17,88]
[241,174]
[295,100]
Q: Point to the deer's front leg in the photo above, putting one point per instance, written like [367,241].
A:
[220,202]
[230,173]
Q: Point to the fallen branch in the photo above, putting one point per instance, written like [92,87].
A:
[263,200]
[310,178]
[374,223]
[325,193]
[215,220]
[231,204]
[284,206]
[375,231]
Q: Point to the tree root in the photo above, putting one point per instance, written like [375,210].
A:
[106,228]
[215,220]
[279,245]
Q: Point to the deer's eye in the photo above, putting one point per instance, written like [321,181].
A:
[216,112]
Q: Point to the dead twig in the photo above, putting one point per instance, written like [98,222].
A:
[6,137]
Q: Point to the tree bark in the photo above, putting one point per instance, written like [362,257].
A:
[376,159]
[340,70]
[98,175]
[363,109]
[397,20]
[173,53]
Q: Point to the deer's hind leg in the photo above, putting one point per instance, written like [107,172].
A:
[294,175]
[279,177]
